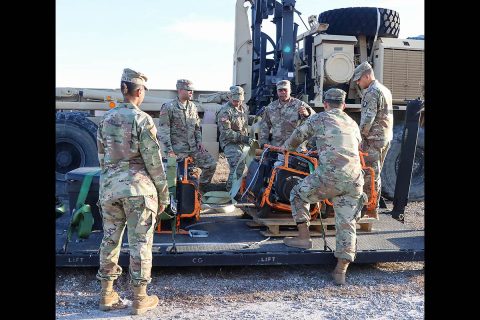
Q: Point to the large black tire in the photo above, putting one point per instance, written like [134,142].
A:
[390,167]
[75,146]
[361,20]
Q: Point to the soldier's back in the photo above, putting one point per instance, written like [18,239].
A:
[124,171]
[337,138]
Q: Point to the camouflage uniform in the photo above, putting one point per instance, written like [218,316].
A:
[179,131]
[338,177]
[282,119]
[233,127]
[376,127]
[132,184]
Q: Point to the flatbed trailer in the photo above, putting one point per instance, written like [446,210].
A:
[231,242]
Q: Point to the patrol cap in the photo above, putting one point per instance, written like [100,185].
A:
[184,84]
[335,94]
[236,92]
[283,84]
[133,76]
[360,69]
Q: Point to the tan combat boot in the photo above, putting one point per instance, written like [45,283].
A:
[143,302]
[302,241]
[340,270]
[109,299]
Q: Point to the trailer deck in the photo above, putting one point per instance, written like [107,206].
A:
[231,242]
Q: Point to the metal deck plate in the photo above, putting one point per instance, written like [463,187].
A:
[232,242]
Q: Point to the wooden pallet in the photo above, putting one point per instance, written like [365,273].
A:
[281,225]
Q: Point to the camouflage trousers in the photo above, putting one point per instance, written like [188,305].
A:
[377,150]
[233,153]
[347,198]
[138,214]
[204,161]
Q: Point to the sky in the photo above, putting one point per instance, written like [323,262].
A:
[170,40]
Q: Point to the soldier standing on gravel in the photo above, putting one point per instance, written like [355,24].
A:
[376,125]
[179,130]
[232,120]
[282,116]
[133,190]
[338,177]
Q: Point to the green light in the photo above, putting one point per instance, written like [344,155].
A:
[287,49]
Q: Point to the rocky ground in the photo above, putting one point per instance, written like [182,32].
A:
[373,291]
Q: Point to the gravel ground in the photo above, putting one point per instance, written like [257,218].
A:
[373,291]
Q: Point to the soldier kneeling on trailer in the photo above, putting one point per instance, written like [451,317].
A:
[338,177]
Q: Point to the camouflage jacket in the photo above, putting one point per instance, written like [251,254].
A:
[376,122]
[337,138]
[129,155]
[179,127]
[282,120]
[232,124]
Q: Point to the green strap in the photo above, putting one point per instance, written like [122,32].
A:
[167,214]
[87,181]
[311,167]
[223,197]
[249,155]
[216,197]
[171,172]
[82,219]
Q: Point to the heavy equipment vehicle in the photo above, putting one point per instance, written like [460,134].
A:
[321,58]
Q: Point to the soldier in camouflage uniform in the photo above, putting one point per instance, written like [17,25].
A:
[282,116]
[338,177]
[179,131]
[133,190]
[376,125]
[232,120]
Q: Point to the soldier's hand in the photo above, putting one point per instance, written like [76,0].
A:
[161,208]
[362,145]
[172,154]
[201,148]
[303,111]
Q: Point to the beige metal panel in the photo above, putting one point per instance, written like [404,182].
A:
[68,105]
[100,106]
[213,107]
[63,93]
[209,133]
[333,59]
[81,105]
[212,148]
[95,120]
[242,51]
[395,43]
[97,99]
[403,73]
